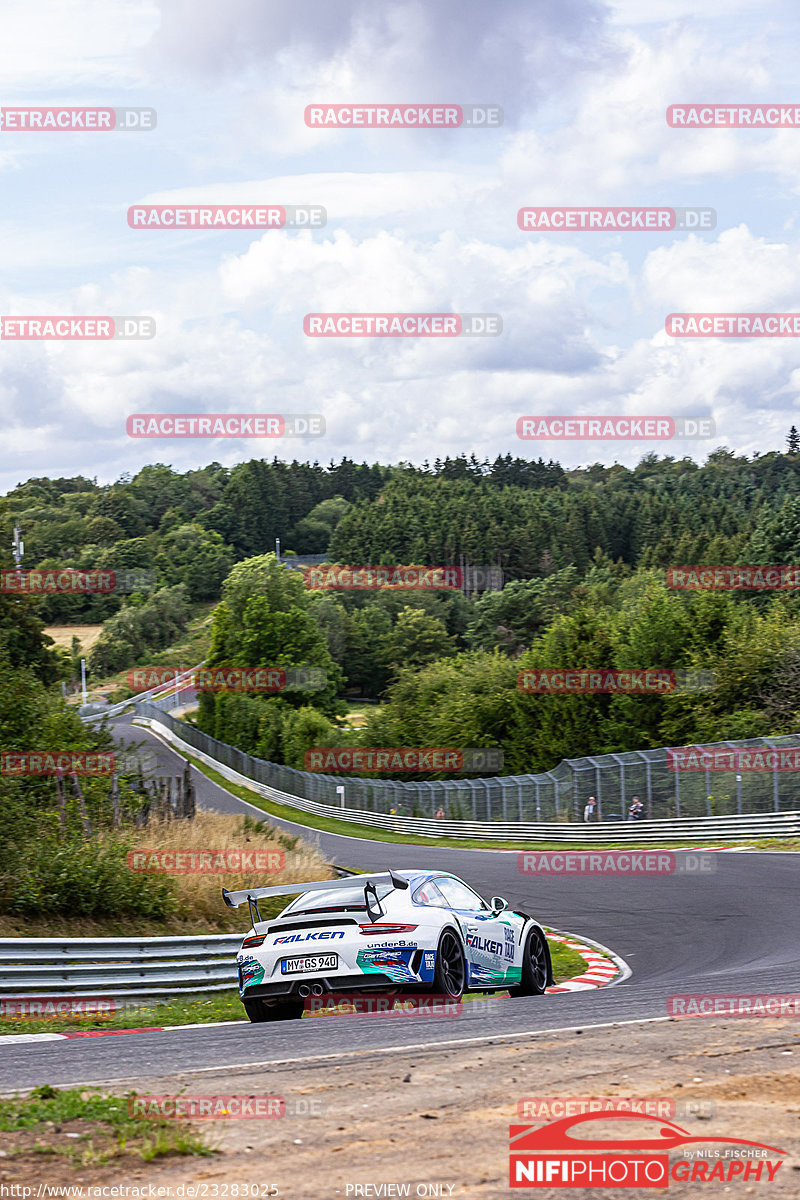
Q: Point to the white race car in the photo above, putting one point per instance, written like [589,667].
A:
[399,931]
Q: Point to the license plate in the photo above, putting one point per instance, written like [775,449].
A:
[309,962]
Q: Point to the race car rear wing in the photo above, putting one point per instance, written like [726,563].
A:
[253,895]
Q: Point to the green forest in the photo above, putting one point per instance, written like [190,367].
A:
[583,554]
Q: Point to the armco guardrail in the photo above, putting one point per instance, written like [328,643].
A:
[122,968]
[726,828]
[93,712]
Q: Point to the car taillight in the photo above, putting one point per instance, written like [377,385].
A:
[255,940]
[381,928]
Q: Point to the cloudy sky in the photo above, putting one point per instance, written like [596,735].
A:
[417,221]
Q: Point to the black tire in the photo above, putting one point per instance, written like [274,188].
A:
[277,1010]
[535,966]
[450,972]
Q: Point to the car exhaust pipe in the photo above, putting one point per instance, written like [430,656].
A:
[317,989]
[304,990]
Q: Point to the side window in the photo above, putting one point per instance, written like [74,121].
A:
[428,893]
[458,895]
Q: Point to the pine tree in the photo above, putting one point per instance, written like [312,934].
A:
[793,441]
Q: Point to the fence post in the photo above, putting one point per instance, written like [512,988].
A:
[649,790]
[775,803]
[708,793]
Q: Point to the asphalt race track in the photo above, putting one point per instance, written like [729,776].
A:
[733,930]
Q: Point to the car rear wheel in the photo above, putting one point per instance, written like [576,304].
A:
[278,1010]
[535,966]
[450,972]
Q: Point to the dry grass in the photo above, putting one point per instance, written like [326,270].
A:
[200,907]
[62,635]
[200,894]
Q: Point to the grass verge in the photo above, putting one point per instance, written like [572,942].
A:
[84,1129]
[155,1014]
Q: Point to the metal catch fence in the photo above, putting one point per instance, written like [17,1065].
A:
[552,797]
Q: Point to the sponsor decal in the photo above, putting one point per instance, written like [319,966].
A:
[251,971]
[394,963]
[475,942]
[319,936]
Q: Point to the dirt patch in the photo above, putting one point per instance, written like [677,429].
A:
[441,1117]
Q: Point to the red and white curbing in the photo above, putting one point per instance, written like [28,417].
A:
[601,969]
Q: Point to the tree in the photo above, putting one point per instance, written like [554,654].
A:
[266,620]
[197,557]
[793,441]
[416,640]
[304,729]
[510,619]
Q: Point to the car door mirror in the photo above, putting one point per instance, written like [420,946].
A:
[498,904]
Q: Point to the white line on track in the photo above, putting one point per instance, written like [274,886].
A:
[416,1047]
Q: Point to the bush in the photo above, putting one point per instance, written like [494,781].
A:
[138,627]
[87,879]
